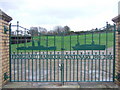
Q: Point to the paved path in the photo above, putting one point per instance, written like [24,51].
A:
[58,85]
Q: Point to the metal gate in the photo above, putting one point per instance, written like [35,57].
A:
[62,57]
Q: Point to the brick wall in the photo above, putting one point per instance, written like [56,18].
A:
[117,64]
[4,47]
[0,55]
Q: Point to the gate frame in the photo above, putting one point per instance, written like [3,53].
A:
[62,72]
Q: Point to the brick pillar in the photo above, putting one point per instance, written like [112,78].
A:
[117,64]
[4,47]
[117,57]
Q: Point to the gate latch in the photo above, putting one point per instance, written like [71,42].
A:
[61,67]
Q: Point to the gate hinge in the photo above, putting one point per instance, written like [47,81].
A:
[5,29]
[118,77]
[6,76]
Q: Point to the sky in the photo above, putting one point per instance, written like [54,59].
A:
[79,15]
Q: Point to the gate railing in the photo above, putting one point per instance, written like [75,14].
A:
[62,58]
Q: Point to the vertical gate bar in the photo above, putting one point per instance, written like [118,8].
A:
[10,64]
[39,58]
[17,51]
[15,60]
[114,51]
[20,40]
[54,57]
[73,67]
[88,67]
[102,66]
[25,51]
[92,60]
[50,67]
[70,59]
[85,59]
[58,66]
[32,54]
[43,65]
[110,67]
[88,63]
[95,65]
[21,67]
[66,67]
[77,54]
[14,66]
[62,59]
[47,57]
[28,67]
[111,53]
[36,63]
[99,58]
[21,59]
[81,68]
[66,64]
[106,49]
[43,53]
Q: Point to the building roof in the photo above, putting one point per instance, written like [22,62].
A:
[116,19]
[4,16]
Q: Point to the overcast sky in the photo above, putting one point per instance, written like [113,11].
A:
[77,14]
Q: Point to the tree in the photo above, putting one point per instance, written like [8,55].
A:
[33,31]
[58,29]
[66,29]
[42,30]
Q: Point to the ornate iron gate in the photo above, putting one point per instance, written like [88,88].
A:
[71,57]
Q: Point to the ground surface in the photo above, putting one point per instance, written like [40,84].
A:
[58,85]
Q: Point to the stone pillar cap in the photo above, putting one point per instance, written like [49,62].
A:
[116,19]
[4,16]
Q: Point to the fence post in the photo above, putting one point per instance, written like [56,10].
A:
[4,48]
